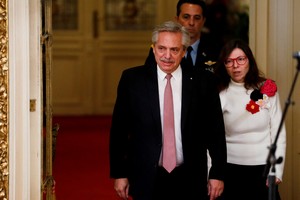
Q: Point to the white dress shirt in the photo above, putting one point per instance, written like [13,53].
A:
[176,84]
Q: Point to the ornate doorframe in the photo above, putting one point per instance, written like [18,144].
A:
[24,130]
[4,160]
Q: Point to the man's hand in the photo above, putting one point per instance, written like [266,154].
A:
[215,188]
[122,187]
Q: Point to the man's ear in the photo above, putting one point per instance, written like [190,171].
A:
[184,53]
[176,18]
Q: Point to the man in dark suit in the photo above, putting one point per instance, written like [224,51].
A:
[137,159]
[192,15]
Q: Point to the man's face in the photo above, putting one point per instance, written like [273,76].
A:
[168,51]
[191,17]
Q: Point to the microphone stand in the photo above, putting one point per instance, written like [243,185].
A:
[271,159]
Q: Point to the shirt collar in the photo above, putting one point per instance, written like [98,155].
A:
[176,74]
[195,45]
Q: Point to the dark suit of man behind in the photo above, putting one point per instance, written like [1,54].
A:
[136,132]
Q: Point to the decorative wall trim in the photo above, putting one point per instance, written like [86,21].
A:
[4,161]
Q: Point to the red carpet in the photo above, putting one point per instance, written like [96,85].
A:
[81,165]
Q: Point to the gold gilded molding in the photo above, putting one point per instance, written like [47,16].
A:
[4,161]
[48,182]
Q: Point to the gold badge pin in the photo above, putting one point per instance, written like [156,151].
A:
[210,63]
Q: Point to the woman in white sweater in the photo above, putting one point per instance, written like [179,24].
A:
[252,115]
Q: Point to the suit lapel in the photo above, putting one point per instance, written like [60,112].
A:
[187,82]
[201,54]
[153,94]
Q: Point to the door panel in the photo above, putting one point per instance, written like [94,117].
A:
[72,57]
[90,55]
[113,63]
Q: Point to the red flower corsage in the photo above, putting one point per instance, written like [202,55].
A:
[269,88]
[252,107]
[260,98]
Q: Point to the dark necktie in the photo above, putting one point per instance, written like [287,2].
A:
[169,146]
[189,60]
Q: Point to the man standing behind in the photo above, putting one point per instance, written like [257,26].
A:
[203,49]
[165,119]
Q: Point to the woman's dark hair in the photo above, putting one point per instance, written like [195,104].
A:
[253,78]
[201,3]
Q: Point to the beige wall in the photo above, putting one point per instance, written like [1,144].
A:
[273,37]
[294,137]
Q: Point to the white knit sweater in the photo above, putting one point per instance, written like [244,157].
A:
[248,136]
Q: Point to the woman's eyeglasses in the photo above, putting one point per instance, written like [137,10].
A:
[240,60]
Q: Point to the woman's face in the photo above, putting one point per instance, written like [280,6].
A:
[237,65]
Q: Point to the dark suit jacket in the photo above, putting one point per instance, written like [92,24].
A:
[136,131]
[207,54]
